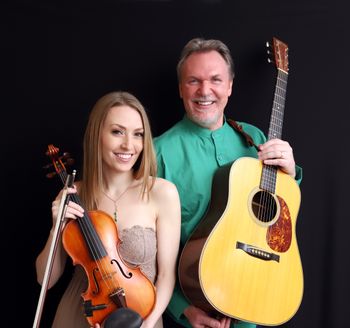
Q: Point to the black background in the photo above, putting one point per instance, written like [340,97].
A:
[59,57]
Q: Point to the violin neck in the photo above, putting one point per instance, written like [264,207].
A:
[95,246]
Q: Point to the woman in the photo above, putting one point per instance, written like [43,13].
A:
[119,178]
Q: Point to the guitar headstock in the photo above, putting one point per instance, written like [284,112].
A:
[278,54]
[58,162]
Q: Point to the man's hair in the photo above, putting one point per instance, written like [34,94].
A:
[200,45]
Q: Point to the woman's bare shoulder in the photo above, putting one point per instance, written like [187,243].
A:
[166,199]
[163,187]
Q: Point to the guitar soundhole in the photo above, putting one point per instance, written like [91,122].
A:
[264,206]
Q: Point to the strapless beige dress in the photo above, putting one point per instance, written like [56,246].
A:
[138,247]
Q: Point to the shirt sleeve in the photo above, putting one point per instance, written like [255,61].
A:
[298,174]
[178,302]
[160,164]
[177,305]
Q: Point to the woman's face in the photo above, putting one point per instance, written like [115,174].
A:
[121,138]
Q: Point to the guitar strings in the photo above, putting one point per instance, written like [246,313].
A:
[267,210]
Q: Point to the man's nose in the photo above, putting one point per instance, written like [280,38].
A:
[204,88]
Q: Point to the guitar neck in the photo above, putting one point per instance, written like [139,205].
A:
[276,121]
[268,178]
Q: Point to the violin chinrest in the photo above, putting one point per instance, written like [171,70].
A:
[123,317]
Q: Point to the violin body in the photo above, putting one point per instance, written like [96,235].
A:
[112,284]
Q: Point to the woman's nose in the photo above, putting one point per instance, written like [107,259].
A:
[126,142]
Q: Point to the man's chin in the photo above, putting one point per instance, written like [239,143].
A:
[206,121]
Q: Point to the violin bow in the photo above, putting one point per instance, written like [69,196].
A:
[53,247]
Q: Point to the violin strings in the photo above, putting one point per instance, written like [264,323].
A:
[92,239]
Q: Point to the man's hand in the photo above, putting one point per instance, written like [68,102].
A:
[278,152]
[200,319]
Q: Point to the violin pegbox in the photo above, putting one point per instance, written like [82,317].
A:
[58,162]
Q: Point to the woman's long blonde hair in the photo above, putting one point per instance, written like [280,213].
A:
[144,168]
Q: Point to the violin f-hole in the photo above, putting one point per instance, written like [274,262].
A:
[97,288]
[127,276]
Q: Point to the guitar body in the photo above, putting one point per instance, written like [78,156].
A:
[249,268]
[191,253]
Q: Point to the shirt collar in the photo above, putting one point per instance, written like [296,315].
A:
[201,131]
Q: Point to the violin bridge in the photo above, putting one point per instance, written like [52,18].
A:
[118,297]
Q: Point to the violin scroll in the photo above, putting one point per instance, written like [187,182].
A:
[58,162]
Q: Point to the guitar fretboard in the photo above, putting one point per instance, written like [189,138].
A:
[268,178]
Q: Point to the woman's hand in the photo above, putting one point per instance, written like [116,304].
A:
[73,209]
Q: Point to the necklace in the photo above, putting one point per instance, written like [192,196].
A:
[115,214]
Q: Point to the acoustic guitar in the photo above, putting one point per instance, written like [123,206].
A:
[242,260]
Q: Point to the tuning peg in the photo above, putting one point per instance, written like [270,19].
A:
[269,52]
[47,166]
[69,161]
[269,57]
[51,175]
[67,158]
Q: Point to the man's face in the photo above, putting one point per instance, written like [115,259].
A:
[204,87]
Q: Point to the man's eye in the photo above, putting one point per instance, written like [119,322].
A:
[193,82]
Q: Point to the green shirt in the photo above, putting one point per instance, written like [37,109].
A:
[188,155]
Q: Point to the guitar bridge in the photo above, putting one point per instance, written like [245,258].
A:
[257,252]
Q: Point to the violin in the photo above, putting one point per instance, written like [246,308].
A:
[92,241]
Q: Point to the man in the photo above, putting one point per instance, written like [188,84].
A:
[192,150]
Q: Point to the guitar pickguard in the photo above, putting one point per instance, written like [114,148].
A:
[279,235]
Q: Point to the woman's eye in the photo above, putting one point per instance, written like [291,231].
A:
[139,134]
[117,132]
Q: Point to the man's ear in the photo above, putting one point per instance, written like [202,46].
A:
[180,92]
[230,88]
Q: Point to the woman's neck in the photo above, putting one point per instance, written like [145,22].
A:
[117,183]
